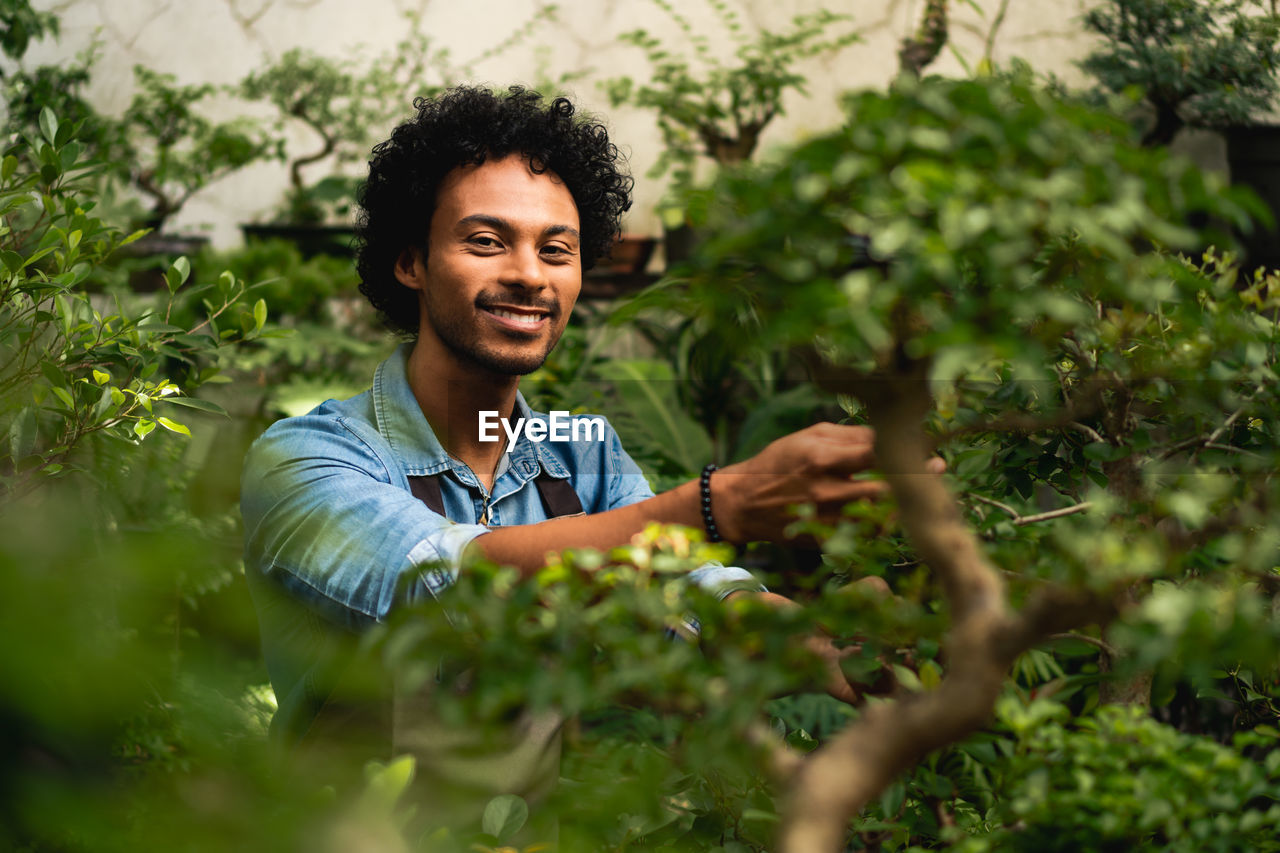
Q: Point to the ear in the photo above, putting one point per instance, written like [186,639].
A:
[411,269]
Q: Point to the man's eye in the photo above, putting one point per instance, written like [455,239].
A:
[556,250]
[486,242]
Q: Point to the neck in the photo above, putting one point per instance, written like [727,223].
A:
[452,395]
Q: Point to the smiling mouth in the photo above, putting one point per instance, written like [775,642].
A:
[521,317]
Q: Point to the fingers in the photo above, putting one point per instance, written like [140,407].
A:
[846,450]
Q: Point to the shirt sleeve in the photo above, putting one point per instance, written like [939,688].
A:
[626,482]
[324,518]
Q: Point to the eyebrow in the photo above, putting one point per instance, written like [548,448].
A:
[500,224]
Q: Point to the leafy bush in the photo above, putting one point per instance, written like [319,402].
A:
[74,369]
[1121,780]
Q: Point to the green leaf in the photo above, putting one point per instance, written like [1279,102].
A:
[174,426]
[907,679]
[143,427]
[1099,451]
[386,783]
[65,396]
[22,434]
[37,254]
[653,417]
[177,274]
[196,403]
[930,674]
[891,800]
[49,125]
[504,816]
[8,167]
[259,314]
[100,376]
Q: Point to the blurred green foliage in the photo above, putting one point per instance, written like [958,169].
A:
[23,23]
[1106,406]
[1197,63]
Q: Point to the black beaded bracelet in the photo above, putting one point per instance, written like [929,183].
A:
[713,535]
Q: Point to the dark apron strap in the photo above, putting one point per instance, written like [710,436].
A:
[369,714]
[558,497]
[427,490]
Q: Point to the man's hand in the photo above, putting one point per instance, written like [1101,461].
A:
[836,681]
[824,465]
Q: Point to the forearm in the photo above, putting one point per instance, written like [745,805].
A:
[526,546]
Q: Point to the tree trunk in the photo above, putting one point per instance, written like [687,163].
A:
[922,49]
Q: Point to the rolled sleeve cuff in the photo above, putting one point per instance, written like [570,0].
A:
[721,581]
[440,554]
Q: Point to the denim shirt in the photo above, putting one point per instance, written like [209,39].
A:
[330,521]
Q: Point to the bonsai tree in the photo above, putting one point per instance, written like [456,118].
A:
[1198,63]
[713,108]
[169,151]
[344,109]
[1017,319]
[341,108]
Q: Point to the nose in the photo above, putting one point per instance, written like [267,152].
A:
[524,269]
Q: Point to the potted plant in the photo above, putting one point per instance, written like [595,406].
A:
[343,107]
[337,107]
[712,109]
[152,159]
[1206,64]
[168,150]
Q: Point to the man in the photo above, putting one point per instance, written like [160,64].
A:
[480,216]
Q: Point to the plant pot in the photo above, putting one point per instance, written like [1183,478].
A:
[679,243]
[1253,155]
[157,251]
[630,254]
[311,240]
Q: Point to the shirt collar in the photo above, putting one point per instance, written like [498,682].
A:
[401,422]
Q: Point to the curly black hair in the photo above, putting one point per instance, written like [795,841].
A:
[467,125]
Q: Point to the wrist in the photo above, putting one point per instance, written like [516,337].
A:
[721,508]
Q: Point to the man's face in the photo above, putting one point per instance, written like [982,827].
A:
[503,267]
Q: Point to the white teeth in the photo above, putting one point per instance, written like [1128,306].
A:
[527,319]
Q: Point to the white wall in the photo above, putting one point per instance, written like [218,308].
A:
[221,41]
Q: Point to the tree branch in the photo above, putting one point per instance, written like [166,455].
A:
[1019,520]
[839,779]
[1097,642]
[1083,506]
[1089,431]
